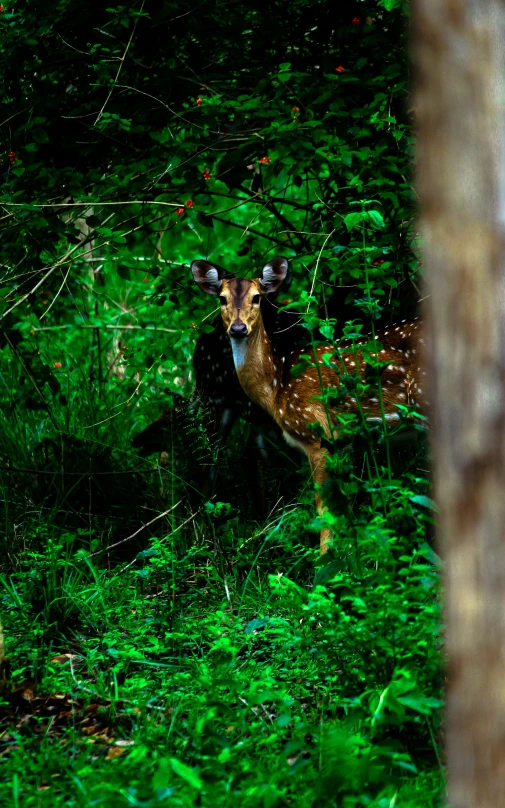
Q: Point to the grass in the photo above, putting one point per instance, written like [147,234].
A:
[210,660]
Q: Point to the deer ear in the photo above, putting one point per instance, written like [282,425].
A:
[274,274]
[207,276]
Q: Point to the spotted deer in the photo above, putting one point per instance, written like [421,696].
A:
[223,401]
[265,372]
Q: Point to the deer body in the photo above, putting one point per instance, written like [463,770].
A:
[264,372]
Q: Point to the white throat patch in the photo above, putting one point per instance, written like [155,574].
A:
[239,348]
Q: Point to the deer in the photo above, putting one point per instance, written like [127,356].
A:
[264,372]
[223,401]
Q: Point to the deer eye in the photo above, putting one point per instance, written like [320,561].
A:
[255,299]
[222,300]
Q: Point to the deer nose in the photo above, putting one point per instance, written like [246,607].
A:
[238,330]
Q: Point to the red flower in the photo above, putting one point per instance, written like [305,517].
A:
[1,7]
[179,211]
[340,69]
[265,161]
[193,326]
[57,365]
[356,20]
[12,156]
[189,203]
[376,263]
[206,174]
[198,102]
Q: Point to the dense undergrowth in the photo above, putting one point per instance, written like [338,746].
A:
[169,645]
[211,660]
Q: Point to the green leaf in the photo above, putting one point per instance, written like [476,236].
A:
[326,331]
[186,773]
[353,220]
[255,624]
[376,218]
[421,499]
[40,136]
[389,5]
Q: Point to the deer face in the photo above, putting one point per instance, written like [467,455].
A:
[240,306]
[240,297]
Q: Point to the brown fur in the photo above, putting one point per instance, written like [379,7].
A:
[266,377]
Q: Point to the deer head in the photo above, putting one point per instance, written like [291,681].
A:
[240,297]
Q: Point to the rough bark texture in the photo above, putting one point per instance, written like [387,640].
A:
[459,60]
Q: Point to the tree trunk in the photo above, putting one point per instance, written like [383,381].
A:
[459,59]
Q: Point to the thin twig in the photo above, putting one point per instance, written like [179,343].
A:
[128,538]
[55,298]
[113,327]
[121,62]
[243,202]
[189,519]
[85,473]
[87,204]
[317,265]
[15,115]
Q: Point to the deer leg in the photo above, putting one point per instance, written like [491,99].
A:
[317,458]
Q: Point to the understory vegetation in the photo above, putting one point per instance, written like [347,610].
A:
[170,641]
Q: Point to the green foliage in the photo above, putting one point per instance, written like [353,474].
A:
[218,666]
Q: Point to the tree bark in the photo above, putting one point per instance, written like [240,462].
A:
[459,61]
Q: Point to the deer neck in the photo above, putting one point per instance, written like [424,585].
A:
[256,367]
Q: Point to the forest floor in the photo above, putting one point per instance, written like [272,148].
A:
[248,672]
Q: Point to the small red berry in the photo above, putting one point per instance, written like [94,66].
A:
[265,160]
[1,7]
[376,263]
[189,203]
[57,365]
[193,326]
[146,279]
[198,102]
[179,211]
[356,20]
[206,174]
[340,69]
